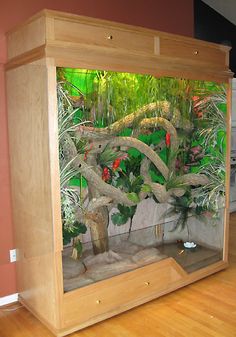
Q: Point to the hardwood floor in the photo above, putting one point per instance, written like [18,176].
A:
[206,308]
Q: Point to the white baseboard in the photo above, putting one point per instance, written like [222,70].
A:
[8,299]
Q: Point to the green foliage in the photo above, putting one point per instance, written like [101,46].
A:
[212,128]
[182,207]
[132,185]
[174,181]
[108,156]
[73,231]
[124,214]
[119,219]
[185,208]
[146,188]
[196,108]
[81,80]
[133,197]
[79,247]
[211,195]
[70,196]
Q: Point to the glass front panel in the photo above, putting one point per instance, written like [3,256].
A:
[142,162]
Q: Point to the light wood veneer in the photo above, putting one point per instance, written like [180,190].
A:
[35,49]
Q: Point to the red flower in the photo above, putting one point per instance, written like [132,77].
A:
[195,98]
[116,164]
[167,139]
[106,174]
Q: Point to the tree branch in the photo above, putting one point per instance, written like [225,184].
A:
[98,147]
[166,125]
[98,202]
[125,122]
[97,183]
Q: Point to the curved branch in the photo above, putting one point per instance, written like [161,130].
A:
[157,189]
[97,183]
[137,144]
[194,179]
[125,122]
[69,148]
[98,202]
[160,192]
[93,178]
[166,125]
[136,116]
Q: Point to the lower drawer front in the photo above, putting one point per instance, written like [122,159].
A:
[119,293]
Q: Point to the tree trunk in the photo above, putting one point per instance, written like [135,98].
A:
[98,231]
[100,217]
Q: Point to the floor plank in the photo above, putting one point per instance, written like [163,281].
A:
[206,308]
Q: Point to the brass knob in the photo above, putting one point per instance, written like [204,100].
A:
[109,37]
[196,52]
[98,301]
[147,283]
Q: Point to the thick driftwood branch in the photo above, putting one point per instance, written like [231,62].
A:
[69,149]
[97,213]
[160,192]
[127,121]
[137,144]
[97,183]
[93,178]
[157,189]
[136,116]
[98,202]
[194,179]
[165,124]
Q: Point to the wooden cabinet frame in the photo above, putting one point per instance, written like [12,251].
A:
[35,49]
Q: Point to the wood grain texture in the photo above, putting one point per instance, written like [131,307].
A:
[110,37]
[193,51]
[87,304]
[30,130]
[103,58]
[101,40]
[27,38]
[206,308]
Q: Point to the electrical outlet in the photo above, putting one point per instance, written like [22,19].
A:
[12,255]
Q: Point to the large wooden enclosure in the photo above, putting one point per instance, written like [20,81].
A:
[35,49]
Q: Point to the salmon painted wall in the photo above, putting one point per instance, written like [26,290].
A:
[166,15]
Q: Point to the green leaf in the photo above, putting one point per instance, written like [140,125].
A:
[137,184]
[133,197]
[124,182]
[133,152]
[81,228]
[127,211]
[124,210]
[66,237]
[108,156]
[78,182]
[156,176]
[78,228]
[119,219]
[145,138]
[146,188]
[132,211]
[78,246]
